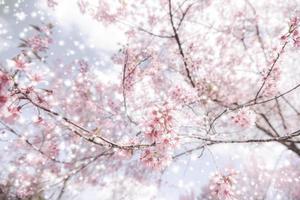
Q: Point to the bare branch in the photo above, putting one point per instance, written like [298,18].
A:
[177,39]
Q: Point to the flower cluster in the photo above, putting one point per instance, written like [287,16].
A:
[271,79]
[39,42]
[28,185]
[244,117]
[21,185]
[271,75]
[222,186]
[160,131]
[293,32]
[155,159]
[20,62]
[4,81]
[160,127]
[102,12]
[182,96]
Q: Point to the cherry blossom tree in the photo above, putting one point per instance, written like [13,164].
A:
[190,77]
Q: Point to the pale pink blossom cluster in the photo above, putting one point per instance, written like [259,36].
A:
[156,159]
[207,89]
[36,44]
[103,11]
[256,180]
[33,46]
[272,74]
[20,62]
[244,117]
[271,79]
[160,127]
[25,185]
[182,96]
[161,133]
[222,186]
[131,59]
[53,149]
[11,114]
[4,81]
[293,33]
[39,43]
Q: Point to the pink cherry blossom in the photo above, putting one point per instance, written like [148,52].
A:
[3,100]
[122,95]
[244,117]
[157,160]
[38,43]
[20,62]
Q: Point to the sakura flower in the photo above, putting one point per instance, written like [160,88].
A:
[53,149]
[27,186]
[159,124]
[4,81]
[20,62]
[182,96]
[296,38]
[222,186]
[244,117]
[155,159]
[36,78]
[3,100]
[11,114]
[83,66]
[294,22]
[46,29]
[38,43]
[293,33]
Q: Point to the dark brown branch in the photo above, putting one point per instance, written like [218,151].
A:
[93,139]
[291,145]
[183,16]
[177,39]
[216,118]
[125,75]
[123,81]
[281,115]
[286,138]
[252,103]
[270,70]
[293,107]
[269,124]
